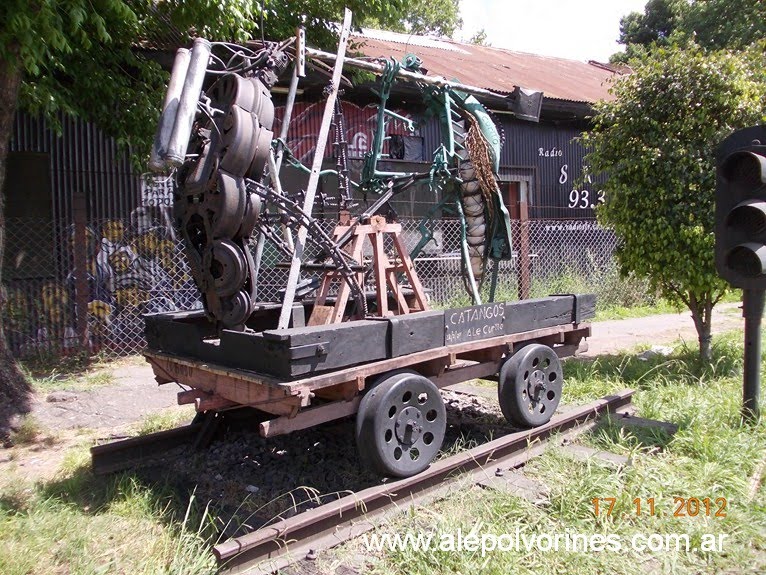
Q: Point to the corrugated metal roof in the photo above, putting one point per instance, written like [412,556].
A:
[492,68]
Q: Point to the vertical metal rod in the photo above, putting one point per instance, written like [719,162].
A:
[308,204]
[286,118]
[274,169]
[752,311]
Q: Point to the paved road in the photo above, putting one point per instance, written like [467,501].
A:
[135,394]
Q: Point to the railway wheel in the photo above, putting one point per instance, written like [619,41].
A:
[400,425]
[530,386]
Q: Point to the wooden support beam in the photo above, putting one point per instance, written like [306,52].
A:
[276,400]
[191,396]
[465,373]
[310,417]
[344,391]
[214,403]
[311,187]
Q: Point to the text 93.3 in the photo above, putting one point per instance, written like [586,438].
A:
[583,199]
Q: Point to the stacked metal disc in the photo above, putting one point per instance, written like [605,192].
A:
[214,210]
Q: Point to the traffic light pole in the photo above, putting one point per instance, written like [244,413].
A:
[752,310]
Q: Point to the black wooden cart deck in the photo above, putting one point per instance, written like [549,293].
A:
[304,376]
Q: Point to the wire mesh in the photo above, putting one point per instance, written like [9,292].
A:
[136,265]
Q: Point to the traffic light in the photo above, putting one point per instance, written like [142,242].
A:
[740,212]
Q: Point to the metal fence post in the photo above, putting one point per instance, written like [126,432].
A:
[80,216]
[525,272]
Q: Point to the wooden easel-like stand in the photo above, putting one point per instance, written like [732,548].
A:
[385,274]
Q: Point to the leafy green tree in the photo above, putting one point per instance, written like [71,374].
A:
[654,143]
[479,38]
[712,24]
[658,21]
[437,17]
[719,24]
[84,58]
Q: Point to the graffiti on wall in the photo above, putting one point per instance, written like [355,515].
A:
[360,125]
[133,266]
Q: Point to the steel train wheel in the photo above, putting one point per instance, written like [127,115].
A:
[401,424]
[530,386]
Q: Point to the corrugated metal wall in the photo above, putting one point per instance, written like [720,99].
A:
[84,159]
[81,159]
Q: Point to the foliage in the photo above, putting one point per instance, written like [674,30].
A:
[84,58]
[712,24]
[479,38]
[659,20]
[438,17]
[733,24]
[655,141]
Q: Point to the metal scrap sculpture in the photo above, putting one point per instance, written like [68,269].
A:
[227,162]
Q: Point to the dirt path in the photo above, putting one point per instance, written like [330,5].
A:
[134,393]
[624,334]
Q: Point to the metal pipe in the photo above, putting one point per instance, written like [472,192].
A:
[169,110]
[308,203]
[752,310]
[406,74]
[187,104]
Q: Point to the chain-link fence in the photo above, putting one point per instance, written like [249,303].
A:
[112,272]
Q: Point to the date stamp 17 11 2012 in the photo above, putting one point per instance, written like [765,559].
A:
[681,506]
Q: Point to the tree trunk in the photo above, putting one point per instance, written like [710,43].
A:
[14,390]
[702,314]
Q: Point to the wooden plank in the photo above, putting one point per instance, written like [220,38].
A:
[344,391]
[380,263]
[413,360]
[214,403]
[320,315]
[311,187]
[455,375]
[232,388]
[190,396]
[412,276]
[309,418]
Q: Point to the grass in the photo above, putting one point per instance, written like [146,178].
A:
[163,420]
[71,376]
[79,523]
[617,297]
[712,455]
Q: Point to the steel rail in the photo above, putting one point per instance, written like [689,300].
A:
[132,452]
[289,540]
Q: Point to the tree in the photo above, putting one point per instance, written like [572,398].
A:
[79,57]
[654,143]
[718,24]
[480,38]
[712,24]
[437,17]
[657,23]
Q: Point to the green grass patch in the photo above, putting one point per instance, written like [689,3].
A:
[712,455]
[80,523]
[166,419]
[73,373]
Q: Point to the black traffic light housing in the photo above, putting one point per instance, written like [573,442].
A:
[740,242]
[740,212]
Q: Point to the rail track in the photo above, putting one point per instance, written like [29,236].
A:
[302,536]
